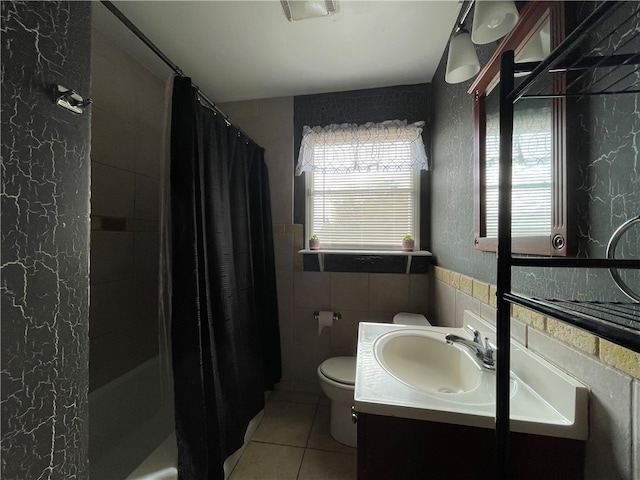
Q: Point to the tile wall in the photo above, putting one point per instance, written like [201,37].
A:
[126,148]
[359,297]
[611,372]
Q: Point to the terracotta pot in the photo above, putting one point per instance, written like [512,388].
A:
[314,244]
[408,245]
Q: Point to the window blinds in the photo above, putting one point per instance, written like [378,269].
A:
[362,184]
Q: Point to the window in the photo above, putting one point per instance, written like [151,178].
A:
[362,183]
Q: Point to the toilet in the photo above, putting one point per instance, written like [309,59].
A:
[337,379]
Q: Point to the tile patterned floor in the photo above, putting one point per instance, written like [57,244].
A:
[293,443]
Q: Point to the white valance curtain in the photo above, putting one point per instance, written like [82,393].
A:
[393,145]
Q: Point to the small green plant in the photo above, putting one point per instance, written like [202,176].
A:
[408,237]
[313,237]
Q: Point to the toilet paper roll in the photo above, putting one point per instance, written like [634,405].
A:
[325,319]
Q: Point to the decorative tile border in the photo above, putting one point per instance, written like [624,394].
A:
[606,352]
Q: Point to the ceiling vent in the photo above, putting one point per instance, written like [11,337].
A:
[299,9]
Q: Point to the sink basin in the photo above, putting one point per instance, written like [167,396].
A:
[411,372]
[423,360]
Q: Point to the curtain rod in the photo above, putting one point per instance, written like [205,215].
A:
[138,33]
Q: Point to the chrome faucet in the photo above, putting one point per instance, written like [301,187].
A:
[486,352]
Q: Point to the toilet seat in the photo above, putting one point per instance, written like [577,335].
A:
[340,369]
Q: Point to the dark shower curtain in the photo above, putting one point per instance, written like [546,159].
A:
[224,325]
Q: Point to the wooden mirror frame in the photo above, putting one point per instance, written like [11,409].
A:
[560,242]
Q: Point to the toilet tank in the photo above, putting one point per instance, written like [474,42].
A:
[404,318]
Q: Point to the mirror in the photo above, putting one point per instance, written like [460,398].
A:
[539,223]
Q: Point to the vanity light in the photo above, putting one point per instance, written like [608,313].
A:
[462,61]
[492,20]
[300,10]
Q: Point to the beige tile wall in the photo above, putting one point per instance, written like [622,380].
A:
[126,145]
[359,297]
[611,372]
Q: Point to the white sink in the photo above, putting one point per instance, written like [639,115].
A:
[411,372]
[422,360]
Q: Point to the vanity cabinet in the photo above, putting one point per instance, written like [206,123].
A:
[401,448]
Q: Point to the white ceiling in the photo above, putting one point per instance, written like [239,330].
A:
[241,50]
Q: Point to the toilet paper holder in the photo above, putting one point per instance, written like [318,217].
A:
[336,315]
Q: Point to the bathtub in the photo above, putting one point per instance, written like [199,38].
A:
[161,464]
[131,426]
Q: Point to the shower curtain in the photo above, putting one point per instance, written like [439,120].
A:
[224,326]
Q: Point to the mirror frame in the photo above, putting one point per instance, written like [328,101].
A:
[561,241]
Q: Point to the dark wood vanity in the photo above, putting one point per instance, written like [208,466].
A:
[401,448]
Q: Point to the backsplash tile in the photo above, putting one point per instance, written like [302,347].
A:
[608,451]
[620,357]
[613,415]
[580,339]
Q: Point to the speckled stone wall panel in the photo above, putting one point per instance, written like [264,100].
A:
[45,233]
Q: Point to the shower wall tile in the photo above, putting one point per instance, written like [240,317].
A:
[112,305]
[112,256]
[111,93]
[145,306]
[127,140]
[148,100]
[608,450]
[113,141]
[147,198]
[350,291]
[147,152]
[112,191]
[146,254]
[388,292]
[123,348]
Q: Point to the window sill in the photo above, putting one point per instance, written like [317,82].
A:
[367,253]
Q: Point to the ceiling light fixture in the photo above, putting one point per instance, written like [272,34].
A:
[492,20]
[300,10]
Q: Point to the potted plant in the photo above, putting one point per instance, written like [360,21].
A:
[314,242]
[408,243]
